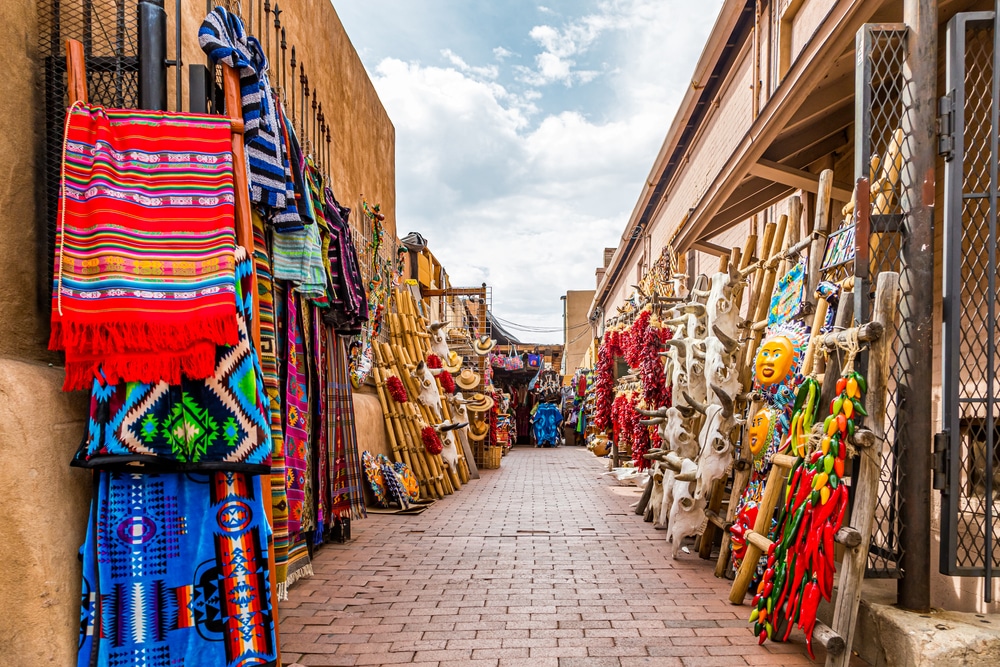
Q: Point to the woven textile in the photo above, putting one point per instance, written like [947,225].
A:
[296,418]
[224,39]
[215,424]
[124,300]
[347,496]
[287,219]
[175,573]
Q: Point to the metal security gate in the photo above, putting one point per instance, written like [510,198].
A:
[967,470]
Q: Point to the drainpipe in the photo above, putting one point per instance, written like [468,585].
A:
[152,55]
[916,308]
[563,367]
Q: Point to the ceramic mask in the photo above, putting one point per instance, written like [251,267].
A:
[774,361]
[760,429]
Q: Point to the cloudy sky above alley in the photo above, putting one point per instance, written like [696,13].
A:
[524,132]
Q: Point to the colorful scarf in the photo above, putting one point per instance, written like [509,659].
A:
[124,301]
[175,573]
[215,424]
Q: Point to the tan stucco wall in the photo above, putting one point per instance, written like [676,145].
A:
[44,506]
[579,334]
[44,502]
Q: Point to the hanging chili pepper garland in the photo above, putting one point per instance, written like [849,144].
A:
[396,389]
[604,385]
[800,562]
[432,441]
[447,382]
[433,361]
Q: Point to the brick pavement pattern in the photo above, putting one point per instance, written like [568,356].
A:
[541,563]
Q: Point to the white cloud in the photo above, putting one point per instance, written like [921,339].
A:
[500,53]
[487,72]
[523,200]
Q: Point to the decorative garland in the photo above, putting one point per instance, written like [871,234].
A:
[800,563]
[433,361]
[432,441]
[383,276]
[447,382]
[396,389]
[604,384]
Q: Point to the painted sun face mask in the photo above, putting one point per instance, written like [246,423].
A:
[778,362]
[774,360]
[759,432]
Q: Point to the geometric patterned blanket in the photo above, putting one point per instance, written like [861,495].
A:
[175,573]
[124,300]
[219,423]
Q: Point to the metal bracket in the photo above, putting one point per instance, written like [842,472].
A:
[942,447]
[946,126]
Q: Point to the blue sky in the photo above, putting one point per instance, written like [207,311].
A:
[524,131]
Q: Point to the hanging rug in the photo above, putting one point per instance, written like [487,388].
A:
[219,423]
[144,265]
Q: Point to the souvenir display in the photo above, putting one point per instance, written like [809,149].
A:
[800,566]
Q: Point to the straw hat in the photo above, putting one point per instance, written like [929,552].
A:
[478,430]
[480,403]
[453,363]
[483,345]
[468,379]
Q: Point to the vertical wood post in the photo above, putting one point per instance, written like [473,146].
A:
[916,282]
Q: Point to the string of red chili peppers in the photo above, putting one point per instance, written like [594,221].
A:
[800,565]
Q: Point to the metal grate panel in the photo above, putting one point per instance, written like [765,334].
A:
[971,390]
[108,30]
[881,112]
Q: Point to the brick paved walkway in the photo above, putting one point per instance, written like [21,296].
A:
[540,563]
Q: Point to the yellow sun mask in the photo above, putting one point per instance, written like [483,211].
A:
[774,360]
[760,426]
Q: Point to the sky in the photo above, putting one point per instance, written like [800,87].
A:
[525,131]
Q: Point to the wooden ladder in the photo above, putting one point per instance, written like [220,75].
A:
[855,536]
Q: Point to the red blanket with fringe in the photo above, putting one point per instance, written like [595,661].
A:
[145,284]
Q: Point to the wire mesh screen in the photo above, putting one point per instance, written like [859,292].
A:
[882,119]
[463,312]
[108,30]
[971,389]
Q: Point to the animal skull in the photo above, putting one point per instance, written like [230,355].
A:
[687,511]
[715,447]
[720,363]
[427,388]
[449,450]
[720,309]
[439,344]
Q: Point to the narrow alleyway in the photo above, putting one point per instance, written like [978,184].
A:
[539,563]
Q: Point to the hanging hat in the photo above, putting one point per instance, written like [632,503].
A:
[478,430]
[483,345]
[468,379]
[453,364]
[480,403]
[414,241]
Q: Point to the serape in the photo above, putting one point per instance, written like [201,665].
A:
[219,423]
[175,573]
[296,418]
[347,495]
[144,266]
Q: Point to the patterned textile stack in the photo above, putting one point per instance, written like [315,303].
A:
[154,306]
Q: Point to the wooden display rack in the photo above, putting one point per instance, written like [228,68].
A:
[856,535]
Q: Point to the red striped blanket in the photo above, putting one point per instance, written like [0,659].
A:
[144,274]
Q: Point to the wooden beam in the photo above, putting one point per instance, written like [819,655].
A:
[711,248]
[795,178]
